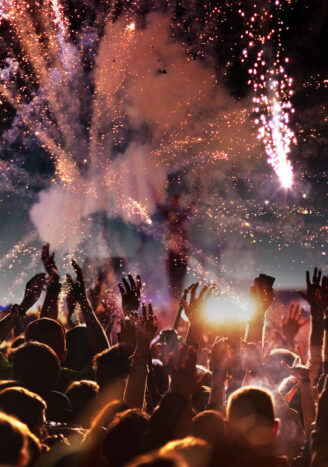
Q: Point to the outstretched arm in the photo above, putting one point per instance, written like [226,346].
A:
[136,383]
[173,417]
[97,335]
[32,293]
[50,305]
[220,362]
[193,310]
[316,297]
[263,296]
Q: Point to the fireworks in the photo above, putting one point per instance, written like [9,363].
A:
[127,104]
[273,89]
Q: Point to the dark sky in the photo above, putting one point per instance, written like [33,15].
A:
[284,233]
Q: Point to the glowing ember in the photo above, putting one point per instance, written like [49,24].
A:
[131,27]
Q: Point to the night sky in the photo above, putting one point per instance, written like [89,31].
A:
[110,107]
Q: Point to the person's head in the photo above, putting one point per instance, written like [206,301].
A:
[7,383]
[102,419]
[36,367]
[200,399]
[154,459]
[14,441]
[83,395]
[79,351]
[251,417]
[111,367]
[126,437]
[24,322]
[274,367]
[49,332]
[195,452]
[27,406]
[209,426]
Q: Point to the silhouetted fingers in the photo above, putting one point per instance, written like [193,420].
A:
[133,284]
[144,312]
[126,284]
[203,291]
[193,291]
[139,283]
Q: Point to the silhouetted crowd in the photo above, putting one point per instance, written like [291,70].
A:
[101,385]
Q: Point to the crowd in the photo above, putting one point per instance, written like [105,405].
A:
[87,392]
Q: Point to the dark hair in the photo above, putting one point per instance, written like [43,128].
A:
[36,367]
[110,365]
[79,351]
[13,436]
[251,401]
[157,460]
[209,425]
[82,394]
[200,399]
[24,405]
[126,437]
[49,332]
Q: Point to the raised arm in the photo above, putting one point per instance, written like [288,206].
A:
[50,305]
[320,433]
[220,362]
[292,323]
[173,417]
[313,296]
[96,333]
[146,328]
[302,375]
[130,294]
[262,296]
[193,310]
[32,294]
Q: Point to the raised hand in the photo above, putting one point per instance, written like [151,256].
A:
[194,308]
[221,355]
[262,295]
[300,372]
[312,294]
[79,289]
[184,378]
[323,294]
[70,298]
[48,261]
[128,333]
[292,323]
[33,291]
[146,328]
[130,293]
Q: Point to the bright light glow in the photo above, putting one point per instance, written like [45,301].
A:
[281,138]
[219,310]
[131,27]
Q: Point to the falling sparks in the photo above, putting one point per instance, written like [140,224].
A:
[273,89]
[140,108]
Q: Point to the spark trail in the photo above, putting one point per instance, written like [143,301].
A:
[272,87]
